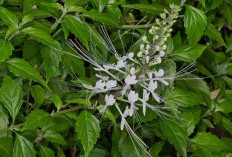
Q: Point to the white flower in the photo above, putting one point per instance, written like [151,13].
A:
[111,84]
[145,99]
[132,98]
[152,86]
[159,73]
[147,59]
[164,47]
[121,64]
[144,38]
[162,53]
[150,74]
[131,80]
[157,48]
[150,31]
[140,54]
[142,47]
[100,84]
[110,100]
[105,78]
[148,46]
[124,115]
[132,71]
[131,55]
[146,52]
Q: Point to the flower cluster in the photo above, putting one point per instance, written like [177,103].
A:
[120,81]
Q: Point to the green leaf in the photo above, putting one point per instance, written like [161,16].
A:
[57,101]
[51,59]
[3,121]
[41,36]
[188,53]
[54,137]
[129,148]
[154,9]
[88,129]
[227,124]
[175,133]
[6,49]
[37,118]
[100,4]
[100,17]
[85,33]
[6,146]
[23,69]
[80,101]
[45,152]
[214,34]
[208,142]
[38,93]
[8,17]
[69,3]
[11,96]
[183,98]
[156,148]
[195,23]
[23,147]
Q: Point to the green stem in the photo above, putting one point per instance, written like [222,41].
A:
[67,110]
[136,26]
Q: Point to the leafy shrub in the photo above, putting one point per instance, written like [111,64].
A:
[56,100]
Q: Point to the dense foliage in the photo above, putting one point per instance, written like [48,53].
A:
[45,111]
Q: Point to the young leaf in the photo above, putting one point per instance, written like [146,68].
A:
[3,121]
[41,36]
[214,34]
[51,59]
[23,147]
[188,53]
[195,23]
[8,17]
[11,96]
[6,49]
[37,118]
[23,69]
[88,129]
[45,152]
[54,137]
[175,133]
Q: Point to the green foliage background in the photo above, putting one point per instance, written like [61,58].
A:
[45,112]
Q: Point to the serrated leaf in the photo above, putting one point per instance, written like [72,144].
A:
[147,8]
[100,17]
[156,148]
[59,123]
[23,69]
[23,147]
[45,152]
[227,124]
[11,96]
[8,17]
[188,53]
[54,137]
[80,101]
[37,118]
[57,101]
[88,129]
[214,34]
[129,148]
[6,49]
[51,59]
[175,133]
[3,121]
[195,23]
[209,142]
[69,3]
[6,146]
[41,36]
[38,93]
[183,98]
